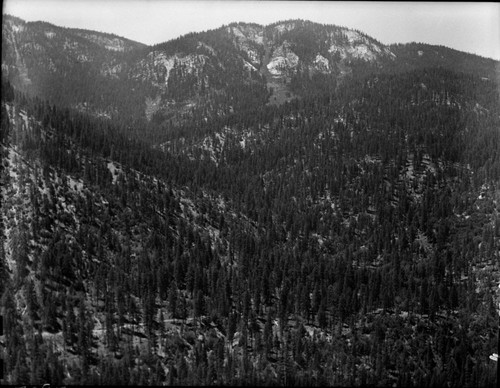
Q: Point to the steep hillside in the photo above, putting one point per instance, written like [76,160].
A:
[310,246]
[69,67]
[292,204]
[70,221]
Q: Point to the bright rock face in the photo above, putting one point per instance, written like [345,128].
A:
[321,64]
[158,66]
[248,39]
[283,60]
[359,47]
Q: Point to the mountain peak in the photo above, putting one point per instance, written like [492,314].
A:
[281,60]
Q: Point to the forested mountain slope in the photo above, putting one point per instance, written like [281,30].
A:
[71,67]
[419,55]
[204,75]
[289,250]
[216,235]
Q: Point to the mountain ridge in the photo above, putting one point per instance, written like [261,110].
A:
[72,29]
[205,71]
[254,24]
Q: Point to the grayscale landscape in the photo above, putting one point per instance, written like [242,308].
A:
[282,203]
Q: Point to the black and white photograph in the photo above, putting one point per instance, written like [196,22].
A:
[250,193]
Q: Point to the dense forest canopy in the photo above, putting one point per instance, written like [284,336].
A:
[347,234]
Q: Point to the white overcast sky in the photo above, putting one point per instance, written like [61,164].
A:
[472,27]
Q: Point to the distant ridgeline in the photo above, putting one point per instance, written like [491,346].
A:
[205,75]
